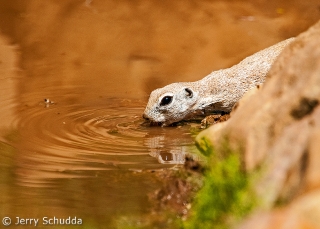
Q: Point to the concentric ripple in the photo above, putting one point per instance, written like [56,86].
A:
[63,139]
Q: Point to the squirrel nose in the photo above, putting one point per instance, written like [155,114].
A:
[145,117]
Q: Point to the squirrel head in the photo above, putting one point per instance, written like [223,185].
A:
[171,103]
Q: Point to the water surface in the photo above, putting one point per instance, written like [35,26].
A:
[61,157]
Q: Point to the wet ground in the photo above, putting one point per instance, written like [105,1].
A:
[75,77]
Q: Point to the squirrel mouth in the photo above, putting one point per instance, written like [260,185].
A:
[151,123]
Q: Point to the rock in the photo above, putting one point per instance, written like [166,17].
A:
[213,119]
[301,214]
[278,129]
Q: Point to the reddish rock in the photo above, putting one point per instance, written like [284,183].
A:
[301,214]
[277,129]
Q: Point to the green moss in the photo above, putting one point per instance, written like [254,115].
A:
[204,146]
[225,197]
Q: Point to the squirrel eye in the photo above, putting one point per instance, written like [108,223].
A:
[189,92]
[166,100]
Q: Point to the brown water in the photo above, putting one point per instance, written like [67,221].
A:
[63,158]
[95,162]
[75,77]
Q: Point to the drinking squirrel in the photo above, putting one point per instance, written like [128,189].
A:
[217,92]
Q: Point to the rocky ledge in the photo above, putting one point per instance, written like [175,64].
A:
[277,129]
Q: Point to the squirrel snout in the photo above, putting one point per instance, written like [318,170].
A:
[145,117]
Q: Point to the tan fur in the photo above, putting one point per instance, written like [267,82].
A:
[218,91]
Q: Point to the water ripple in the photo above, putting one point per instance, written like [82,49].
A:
[68,140]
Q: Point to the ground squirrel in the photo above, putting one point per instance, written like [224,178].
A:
[217,92]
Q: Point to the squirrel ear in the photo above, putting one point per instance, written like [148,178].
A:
[189,92]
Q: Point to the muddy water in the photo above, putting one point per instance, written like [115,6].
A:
[75,77]
[62,158]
